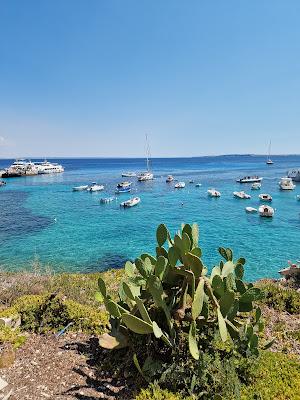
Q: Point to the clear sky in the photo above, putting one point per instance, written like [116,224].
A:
[91,77]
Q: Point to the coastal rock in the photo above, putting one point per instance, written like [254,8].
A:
[12,322]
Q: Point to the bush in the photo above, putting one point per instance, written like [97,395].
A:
[12,336]
[154,392]
[52,312]
[190,331]
[280,298]
[276,377]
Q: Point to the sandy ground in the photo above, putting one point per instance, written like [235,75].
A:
[64,368]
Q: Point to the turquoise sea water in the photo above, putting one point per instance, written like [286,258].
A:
[41,218]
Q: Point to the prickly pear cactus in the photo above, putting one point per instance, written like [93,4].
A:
[164,293]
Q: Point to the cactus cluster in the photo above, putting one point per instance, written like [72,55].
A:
[173,289]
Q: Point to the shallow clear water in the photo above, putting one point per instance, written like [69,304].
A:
[40,217]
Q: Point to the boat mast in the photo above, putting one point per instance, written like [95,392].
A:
[269,151]
[148,155]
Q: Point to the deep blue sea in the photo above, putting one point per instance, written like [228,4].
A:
[42,219]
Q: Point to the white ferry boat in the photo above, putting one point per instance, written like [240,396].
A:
[20,167]
[46,167]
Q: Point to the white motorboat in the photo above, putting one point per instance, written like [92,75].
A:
[80,188]
[170,178]
[107,200]
[179,185]
[131,202]
[256,186]
[123,187]
[198,184]
[241,195]
[95,187]
[266,211]
[269,161]
[286,184]
[251,210]
[128,174]
[298,197]
[294,174]
[213,193]
[249,179]
[148,175]
[265,197]
[46,167]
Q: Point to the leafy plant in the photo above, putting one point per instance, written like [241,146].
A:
[172,301]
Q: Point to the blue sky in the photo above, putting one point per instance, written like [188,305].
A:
[90,78]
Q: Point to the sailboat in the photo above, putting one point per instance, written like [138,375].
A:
[269,161]
[147,175]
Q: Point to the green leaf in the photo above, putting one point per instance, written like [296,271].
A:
[193,341]
[257,314]
[129,268]
[226,302]
[136,324]
[223,253]
[241,288]
[269,344]
[99,297]
[148,266]
[160,268]
[218,286]
[186,243]
[102,287]
[131,291]
[222,326]
[195,235]
[146,255]
[161,251]
[178,243]
[215,271]
[239,271]
[143,311]
[161,234]
[140,267]
[253,341]
[113,308]
[188,230]
[198,300]
[245,307]
[156,330]
[196,251]
[173,256]
[241,261]
[194,263]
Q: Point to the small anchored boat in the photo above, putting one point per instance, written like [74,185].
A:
[198,184]
[266,211]
[2,183]
[286,184]
[191,181]
[241,195]
[256,186]
[251,210]
[180,185]
[213,193]
[170,178]
[128,174]
[80,188]
[123,187]
[107,200]
[95,187]
[131,202]
[249,179]
[265,197]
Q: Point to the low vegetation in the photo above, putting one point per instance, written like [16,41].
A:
[189,333]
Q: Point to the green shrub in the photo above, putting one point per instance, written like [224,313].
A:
[52,312]
[280,298]
[277,377]
[154,392]
[190,331]
[12,336]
